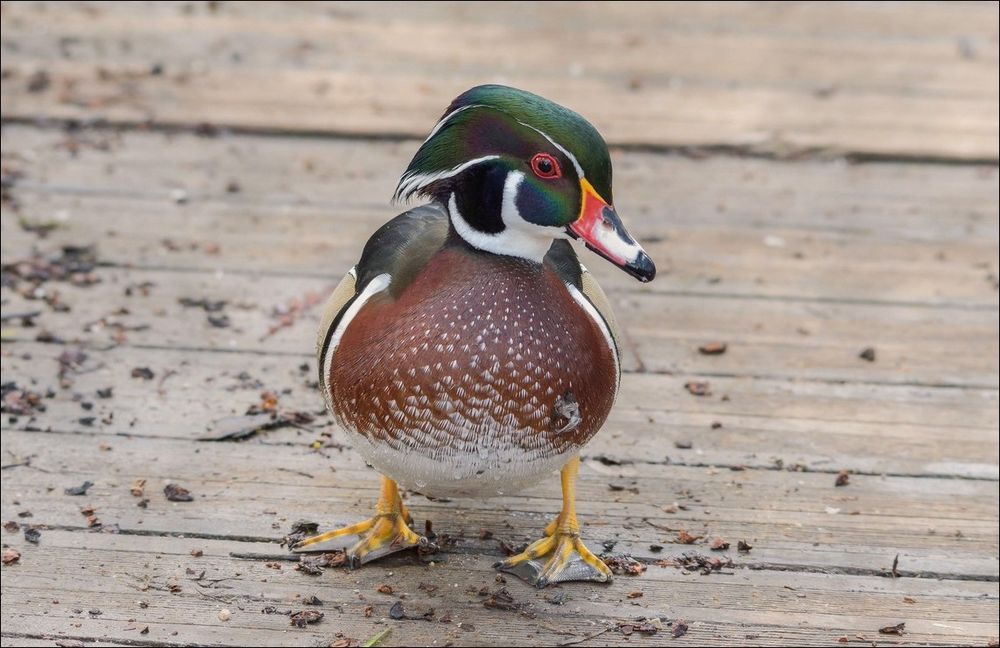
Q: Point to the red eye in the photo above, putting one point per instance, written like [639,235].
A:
[545,166]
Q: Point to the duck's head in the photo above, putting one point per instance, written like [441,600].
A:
[516,171]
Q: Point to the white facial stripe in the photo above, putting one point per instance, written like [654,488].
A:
[413,182]
[509,212]
[446,118]
[572,158]
[519,237]
[581,299]
[378,284]
[409,184]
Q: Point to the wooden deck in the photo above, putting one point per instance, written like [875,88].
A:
[812,179]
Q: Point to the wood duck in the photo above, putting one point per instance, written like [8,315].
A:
[469,352]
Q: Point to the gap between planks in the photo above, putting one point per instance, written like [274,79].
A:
[690,151]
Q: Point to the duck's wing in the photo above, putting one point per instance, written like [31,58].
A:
[391,259]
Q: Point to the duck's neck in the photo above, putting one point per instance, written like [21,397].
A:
[510,240]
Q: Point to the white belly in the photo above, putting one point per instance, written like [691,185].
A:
[487,473]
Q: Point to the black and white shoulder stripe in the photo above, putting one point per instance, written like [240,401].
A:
[585,290]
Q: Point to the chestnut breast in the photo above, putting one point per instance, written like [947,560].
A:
[478,353]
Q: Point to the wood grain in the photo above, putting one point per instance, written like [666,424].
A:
[766,338]
[913,517]
[798,81]
[902,233]
[706,603]
[811,178]
[763,423]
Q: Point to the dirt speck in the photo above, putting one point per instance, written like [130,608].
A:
[145,373]
[698,388]
[79,490]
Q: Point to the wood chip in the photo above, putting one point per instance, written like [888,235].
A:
[138,487]
[314,564]
[303,617]
[177,493]
[501,599]
[893,629]
[11,556]
[713,348]
[843,478]
[683,537]
[623,564]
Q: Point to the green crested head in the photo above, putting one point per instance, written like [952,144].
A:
[516,171]
[513,124]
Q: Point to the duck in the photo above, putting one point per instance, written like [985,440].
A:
[469,352]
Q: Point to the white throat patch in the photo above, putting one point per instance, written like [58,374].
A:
[519,238]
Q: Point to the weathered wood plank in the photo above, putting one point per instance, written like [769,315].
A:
[768,338]
[796,265]
[903,234]
[910,202]
[744,609]
[39,639]
[801,80]
[822,427]
[776,263]
[248,490]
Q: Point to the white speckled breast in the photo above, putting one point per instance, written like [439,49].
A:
[451,388]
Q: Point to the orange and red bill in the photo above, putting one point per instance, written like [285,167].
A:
[600,228]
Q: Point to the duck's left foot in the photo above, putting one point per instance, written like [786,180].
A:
[557,558]
[567,558]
